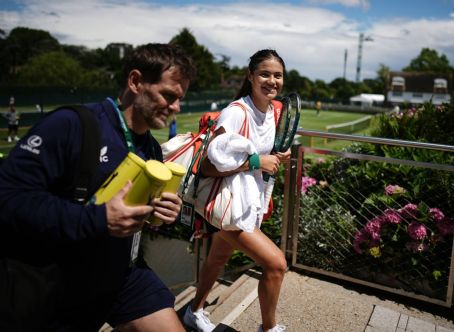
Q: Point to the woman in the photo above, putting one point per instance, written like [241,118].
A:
[263,82]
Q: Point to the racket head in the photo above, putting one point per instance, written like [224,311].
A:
[293,106]
[280,128]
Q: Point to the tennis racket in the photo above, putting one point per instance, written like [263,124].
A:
[288,122]
[285,133]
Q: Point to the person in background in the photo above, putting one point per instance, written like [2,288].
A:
[214,107]
[13,121]
[318,107]
[173,128]
[91,246]
[263,82]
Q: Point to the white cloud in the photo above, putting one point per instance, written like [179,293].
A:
[363,4]
[311,40]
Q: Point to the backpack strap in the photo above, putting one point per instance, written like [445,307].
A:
[89,152]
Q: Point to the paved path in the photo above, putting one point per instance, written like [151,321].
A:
[314,304]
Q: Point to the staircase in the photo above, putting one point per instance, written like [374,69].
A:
[226,301]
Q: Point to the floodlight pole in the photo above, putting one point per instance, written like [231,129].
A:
[345,64]
[362,39]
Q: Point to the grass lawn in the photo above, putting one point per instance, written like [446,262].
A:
[190,122]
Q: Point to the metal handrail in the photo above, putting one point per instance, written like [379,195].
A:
[375,140]
[293,195]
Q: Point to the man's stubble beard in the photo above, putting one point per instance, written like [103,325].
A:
[144,106]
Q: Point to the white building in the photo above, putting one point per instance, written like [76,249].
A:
[367,99]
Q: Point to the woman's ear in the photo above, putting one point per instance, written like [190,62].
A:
[134,79]
[249,76]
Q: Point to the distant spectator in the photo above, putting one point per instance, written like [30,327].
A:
[318,107]
[214,106]
[173,128]
[13,121]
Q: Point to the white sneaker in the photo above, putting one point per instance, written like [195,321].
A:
[16,138]
[9,139]
[277,328]
[198,320]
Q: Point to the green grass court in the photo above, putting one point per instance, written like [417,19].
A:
[190,121]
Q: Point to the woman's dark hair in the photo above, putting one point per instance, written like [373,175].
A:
[153,59]
[254,62]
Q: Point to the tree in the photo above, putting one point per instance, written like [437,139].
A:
[294,82]
[429,61]
[22,44]
[208,72]
[343,90]
[26,43]
[382,78]
[60,70]
[321,91]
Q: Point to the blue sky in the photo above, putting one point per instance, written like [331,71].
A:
[311,35]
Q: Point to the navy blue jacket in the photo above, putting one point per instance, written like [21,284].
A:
[39,223]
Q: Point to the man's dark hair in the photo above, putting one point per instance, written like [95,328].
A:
[153,59]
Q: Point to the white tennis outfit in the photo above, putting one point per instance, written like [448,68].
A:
[247,187]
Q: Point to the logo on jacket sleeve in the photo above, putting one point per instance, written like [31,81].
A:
[33,142]
[103,158]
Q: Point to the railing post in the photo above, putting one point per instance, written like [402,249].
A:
[290,189]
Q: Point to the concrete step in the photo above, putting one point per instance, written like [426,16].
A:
[224,304]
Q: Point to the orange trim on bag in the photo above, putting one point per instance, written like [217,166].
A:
[226,208]
[178,153]
[211,200]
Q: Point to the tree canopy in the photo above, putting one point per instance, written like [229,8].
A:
[30,57]
[429,61]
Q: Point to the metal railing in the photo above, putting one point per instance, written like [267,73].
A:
[383,221]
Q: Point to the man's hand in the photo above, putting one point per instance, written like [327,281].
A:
[123,220]
[167,207]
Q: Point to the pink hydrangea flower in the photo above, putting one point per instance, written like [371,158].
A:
[373,227]
[409,211]
[392,217]
[394,189]
[363,240]
[436,214]
[417,231]
[306,183]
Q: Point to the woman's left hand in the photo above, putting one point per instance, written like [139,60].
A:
[284,156]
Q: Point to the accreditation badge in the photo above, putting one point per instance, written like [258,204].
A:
[187,214]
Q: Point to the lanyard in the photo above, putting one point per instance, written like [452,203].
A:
[124,127]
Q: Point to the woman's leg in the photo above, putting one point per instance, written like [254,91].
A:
[220,252]
[265,253]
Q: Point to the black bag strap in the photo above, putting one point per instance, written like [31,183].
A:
[89,152]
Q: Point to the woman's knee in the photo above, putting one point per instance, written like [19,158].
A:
[276,264]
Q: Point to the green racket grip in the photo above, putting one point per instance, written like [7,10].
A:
[266,176]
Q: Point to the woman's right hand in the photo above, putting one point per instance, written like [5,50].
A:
[269,163]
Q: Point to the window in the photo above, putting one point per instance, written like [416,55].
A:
[440,85]
[398,83]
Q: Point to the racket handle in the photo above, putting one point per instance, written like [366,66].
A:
[269,185]
[266,176]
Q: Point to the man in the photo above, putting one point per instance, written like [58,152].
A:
[13,121]
[92,245]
